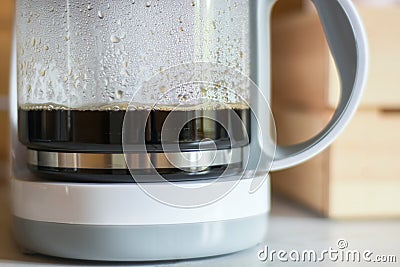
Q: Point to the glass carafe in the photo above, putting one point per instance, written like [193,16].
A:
[180,86]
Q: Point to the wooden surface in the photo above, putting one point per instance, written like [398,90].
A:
[299,48]
[383,31]
[283,8]
[300,62]
[6,22]
[358,176]
[307,183]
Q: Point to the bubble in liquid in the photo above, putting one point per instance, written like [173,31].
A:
[115,39]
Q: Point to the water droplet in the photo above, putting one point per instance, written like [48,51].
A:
[89,7]
[46,47]
[50,107]
[120,94]
[100,14]
[115,108]
[193,3]
[42,73]
[148,4]
[115,39]
[33,41]
[214,25]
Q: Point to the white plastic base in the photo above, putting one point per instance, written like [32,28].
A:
[119,222]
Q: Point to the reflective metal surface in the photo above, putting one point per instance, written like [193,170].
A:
[195,159]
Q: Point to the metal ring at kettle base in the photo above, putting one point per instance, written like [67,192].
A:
[195,159]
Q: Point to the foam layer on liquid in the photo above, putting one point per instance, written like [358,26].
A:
[129,106]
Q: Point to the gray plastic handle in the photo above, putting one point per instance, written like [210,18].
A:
[347,41]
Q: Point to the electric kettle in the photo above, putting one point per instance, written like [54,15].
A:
[142,129]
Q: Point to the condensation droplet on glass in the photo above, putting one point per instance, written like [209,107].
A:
[100,14]
[148,4]
[115,39]
[33,41]
[120,94]
[42,73]
[193,3]
[163,89]
[89,7]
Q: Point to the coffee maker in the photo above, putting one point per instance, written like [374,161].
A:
[142,129]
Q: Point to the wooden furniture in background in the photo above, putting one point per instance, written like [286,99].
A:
[6,25]
[358,176]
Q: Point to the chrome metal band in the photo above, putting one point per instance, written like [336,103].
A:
[195,159]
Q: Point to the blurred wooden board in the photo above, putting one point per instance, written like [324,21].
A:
[383,31]
[357,177]
[300,61]
[300,51]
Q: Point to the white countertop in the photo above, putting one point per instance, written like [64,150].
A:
[291,228]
